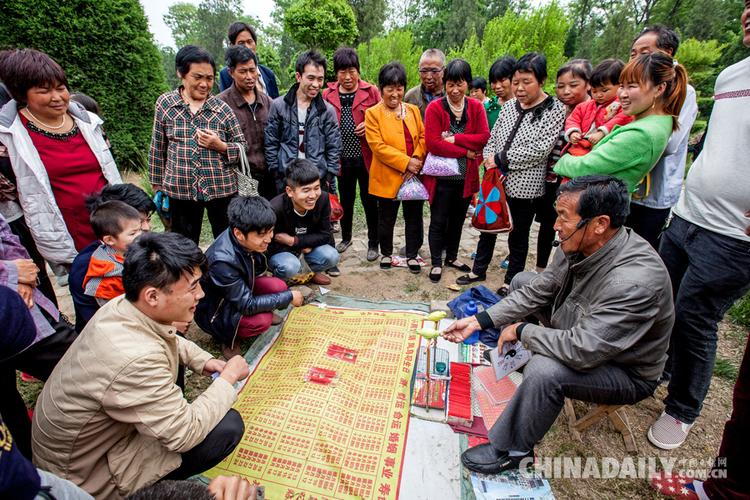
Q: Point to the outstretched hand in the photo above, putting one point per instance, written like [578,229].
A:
[462,329]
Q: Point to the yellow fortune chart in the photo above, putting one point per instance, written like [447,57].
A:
[326,409]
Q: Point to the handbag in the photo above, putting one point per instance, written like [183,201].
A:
[337,211]
[411,190]
[492,214]
[440,166]
[246,185]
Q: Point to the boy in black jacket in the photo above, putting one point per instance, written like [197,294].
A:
[239,302]
[303,226]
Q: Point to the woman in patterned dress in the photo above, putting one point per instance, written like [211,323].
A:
[520,144]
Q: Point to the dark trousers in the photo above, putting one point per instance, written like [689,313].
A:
[387,214]
[648,222]
[353,171]
[187,216]
[38,361]
[735,442]
[217,445]
[44,285]
[709,272]
[447,215]
[546,216]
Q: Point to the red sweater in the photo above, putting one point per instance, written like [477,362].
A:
[589,116]
[475,136]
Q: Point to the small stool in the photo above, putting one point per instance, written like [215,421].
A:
[616,414]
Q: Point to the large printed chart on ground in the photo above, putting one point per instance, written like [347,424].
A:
[344,440]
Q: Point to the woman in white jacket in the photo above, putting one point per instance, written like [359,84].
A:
[58,153]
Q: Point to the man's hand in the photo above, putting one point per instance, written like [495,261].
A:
[235,369]
[307,250]
[210,140]
[575,137]
[27,271]
[460,330]
[508,335]
[284,239]
[214,365]
[27,294]
[359,130]
[595,137]
[297,298]
[232,488]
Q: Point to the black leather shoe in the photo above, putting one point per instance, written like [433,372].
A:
[467,279]
[485,459]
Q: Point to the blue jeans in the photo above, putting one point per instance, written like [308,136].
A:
[709,272]
[284,265]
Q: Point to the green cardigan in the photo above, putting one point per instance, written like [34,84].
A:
[628,152]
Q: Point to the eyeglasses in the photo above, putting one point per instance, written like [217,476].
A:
[427,71]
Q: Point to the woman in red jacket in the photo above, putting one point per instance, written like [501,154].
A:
[455,127]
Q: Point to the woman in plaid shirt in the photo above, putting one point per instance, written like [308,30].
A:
[195,147]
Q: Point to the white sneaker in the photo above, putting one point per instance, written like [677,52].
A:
[668,432]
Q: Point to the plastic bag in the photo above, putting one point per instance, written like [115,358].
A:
[337,211]
[411,190]
[440,166]
[481,295]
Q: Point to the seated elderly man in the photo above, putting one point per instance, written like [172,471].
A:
[606,309]
[110,417]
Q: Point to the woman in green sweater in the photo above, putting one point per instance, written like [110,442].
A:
[652,89]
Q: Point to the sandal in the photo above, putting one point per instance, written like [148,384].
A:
[414,266]
[436,273]
[386,262]
[456,264]
[467,279]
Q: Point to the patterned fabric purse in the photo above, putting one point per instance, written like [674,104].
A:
[246,185]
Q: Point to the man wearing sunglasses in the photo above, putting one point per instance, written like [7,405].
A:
[431,66]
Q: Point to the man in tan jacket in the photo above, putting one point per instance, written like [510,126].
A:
[110,418]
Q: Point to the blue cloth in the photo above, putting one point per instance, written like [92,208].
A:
[285,264]
[269,79]
[85,305]
[18,476]
[484,297]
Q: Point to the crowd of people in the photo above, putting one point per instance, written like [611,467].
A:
[646,267]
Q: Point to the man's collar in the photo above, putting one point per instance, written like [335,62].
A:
[129,309]
[580,264]
[239,100]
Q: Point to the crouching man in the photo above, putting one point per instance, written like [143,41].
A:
[110,417]
[606,310]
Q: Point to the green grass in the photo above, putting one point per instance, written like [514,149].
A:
[725,369]
[740,311]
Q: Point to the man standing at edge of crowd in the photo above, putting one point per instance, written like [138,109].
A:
[243,34]
[431,68]
[111,418]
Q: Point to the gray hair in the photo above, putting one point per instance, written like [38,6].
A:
[433,53]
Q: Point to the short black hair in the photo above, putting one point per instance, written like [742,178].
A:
[310,57]
[392,73]
[238,54]
[192,54]
[478,83]
[125,192]
[600,195]
[345,58]
[457,70]
[170,490]
[607,72]
[108,218]
[535,63]
[22,69]
[238,27]
[251,213]
[666,39]
[579,67]
[88,102]
[301,172]
[502,69]
[159,260]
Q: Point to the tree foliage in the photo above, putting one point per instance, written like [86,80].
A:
[370,16]
[321,24]
[107,52]
[398,45]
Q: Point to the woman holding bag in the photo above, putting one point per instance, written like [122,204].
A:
[519,146]
[395,134]
[455,127]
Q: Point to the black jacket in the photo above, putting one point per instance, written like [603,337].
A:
[228,285]
[312,230]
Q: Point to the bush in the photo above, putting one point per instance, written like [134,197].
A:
[107,52]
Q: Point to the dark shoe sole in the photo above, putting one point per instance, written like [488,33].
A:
[463,267]
[467,280]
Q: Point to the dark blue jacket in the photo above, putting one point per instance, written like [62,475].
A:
[269,78]
[228,285]
[85,305]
